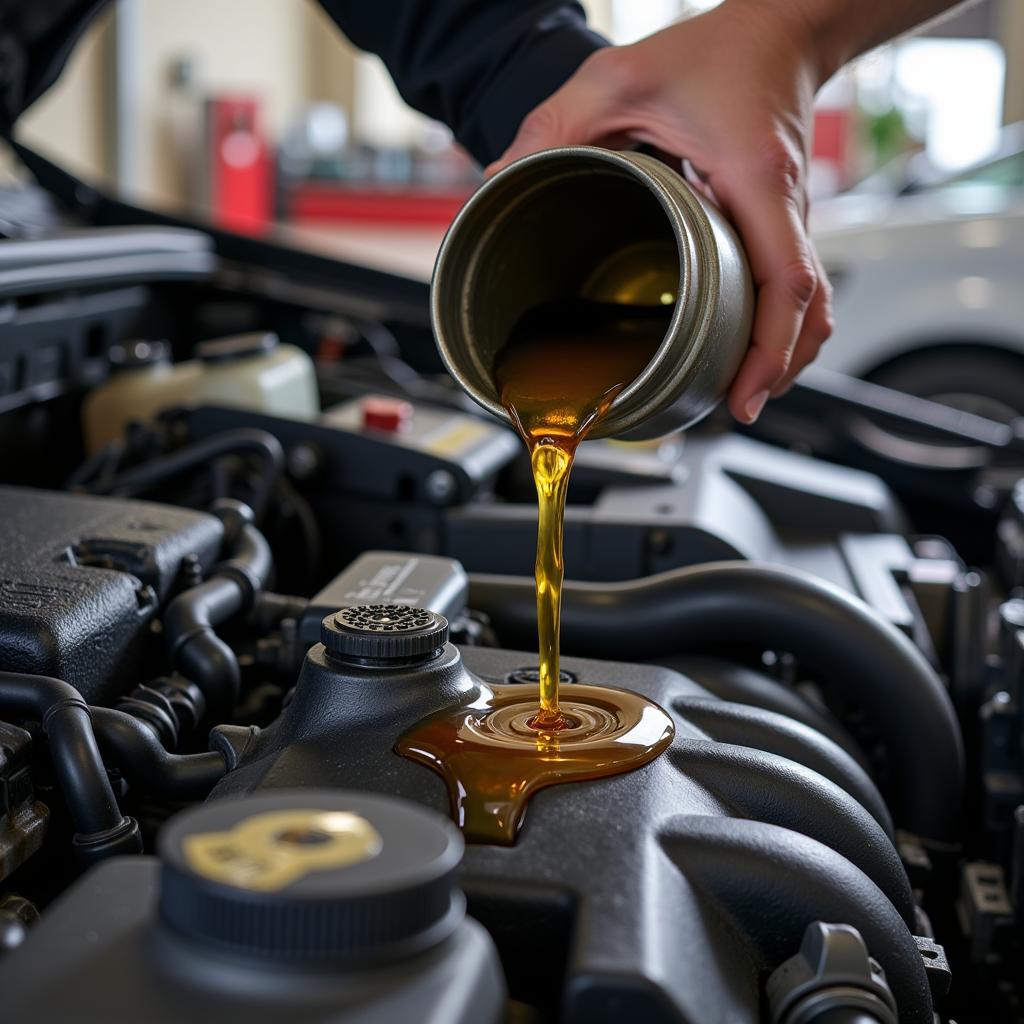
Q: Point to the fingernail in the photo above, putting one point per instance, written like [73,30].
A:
[755,405]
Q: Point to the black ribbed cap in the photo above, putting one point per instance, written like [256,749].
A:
[312,876]
[385,634]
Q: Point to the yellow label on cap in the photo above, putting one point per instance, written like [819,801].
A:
[269,851]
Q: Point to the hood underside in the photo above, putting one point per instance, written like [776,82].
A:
[36,39]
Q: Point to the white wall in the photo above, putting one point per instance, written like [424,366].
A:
[286,51]
[241,46]
[261,47]
[72,120]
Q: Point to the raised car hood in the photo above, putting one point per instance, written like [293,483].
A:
[36,38]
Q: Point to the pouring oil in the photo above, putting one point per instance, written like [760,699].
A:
[561,369]
[558,373]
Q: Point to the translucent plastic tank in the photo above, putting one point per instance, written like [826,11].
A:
[248,371]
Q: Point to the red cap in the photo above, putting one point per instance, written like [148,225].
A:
[390,414]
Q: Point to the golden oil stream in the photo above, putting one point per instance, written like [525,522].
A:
[560,370]
[558,374]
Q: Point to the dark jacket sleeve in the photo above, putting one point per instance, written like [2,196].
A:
[480,66]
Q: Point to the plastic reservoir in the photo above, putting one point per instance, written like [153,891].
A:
[249,371]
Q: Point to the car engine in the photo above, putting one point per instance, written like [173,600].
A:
[218,623]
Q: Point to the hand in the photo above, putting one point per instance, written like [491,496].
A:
[731,91]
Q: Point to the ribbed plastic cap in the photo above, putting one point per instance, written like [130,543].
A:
[312,875]
[385,634]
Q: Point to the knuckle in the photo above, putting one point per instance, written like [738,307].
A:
[825,328]
[781,164]
[541,122]
[777,363]
[616,69]
[800,280]
[826,292]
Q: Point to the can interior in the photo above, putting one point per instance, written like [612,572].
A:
[560,228]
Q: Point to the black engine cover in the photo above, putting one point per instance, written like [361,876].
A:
[80,578]
[663,894]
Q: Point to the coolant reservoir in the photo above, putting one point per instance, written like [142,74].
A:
[246,371]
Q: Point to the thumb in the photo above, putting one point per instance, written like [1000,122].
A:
[574,115]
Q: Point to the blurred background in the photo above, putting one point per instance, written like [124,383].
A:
[258,115]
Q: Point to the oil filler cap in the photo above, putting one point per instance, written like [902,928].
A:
[385,635]
[312,876]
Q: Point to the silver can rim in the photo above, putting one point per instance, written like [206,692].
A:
[692,233]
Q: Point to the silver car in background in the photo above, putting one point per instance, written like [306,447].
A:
[929,284]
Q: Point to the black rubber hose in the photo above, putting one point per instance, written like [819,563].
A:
[193,645]
[292,505]
[143,478]
[711,606]
[66,721]
[195,649]
[134,747]
[250,555]
[271,610]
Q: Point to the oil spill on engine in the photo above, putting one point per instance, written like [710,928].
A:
[493,758]
[558,373]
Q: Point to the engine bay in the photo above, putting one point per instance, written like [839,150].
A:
[210,810]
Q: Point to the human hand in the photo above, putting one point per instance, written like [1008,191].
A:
[732,92]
